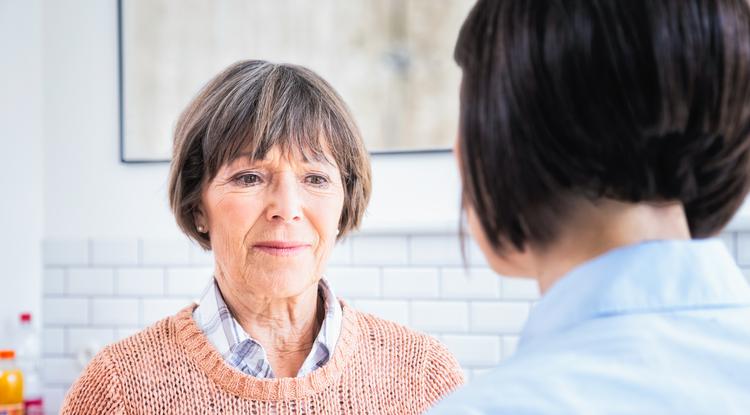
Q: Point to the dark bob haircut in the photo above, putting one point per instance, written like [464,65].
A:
[252,107]
[629,100]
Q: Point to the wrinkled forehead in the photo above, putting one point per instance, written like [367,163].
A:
[301,142]
[283,151]
[302,148]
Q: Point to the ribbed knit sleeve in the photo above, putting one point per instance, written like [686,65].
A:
[443,373]
[97,390]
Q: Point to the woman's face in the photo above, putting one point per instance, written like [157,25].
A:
[272,222]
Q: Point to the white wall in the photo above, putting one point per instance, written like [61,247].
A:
[89,193]
[21,162]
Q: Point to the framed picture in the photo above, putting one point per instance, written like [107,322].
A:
[391,61]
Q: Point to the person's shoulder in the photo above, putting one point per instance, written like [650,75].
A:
[381,333]
[374,327]
[424,357]
[622,366]
[525,383]
[497,392]
[107,382]
[380,330]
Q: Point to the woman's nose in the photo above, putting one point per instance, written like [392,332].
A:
[285,203]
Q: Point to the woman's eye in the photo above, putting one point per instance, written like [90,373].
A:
[317,180]
[248,179]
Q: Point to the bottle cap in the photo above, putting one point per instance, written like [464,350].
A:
[25,317]
[7,354]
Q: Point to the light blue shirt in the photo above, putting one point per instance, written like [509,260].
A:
[656,328]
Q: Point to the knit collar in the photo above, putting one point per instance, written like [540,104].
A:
[207,358]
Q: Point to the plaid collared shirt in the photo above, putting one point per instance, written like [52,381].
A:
[247,355]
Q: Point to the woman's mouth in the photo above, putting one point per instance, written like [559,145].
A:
[281,248]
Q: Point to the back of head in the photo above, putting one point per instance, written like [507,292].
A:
[631,100]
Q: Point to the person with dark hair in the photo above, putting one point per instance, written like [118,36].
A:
[269,171]
[602,143]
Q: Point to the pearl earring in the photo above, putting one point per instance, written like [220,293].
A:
[201,229]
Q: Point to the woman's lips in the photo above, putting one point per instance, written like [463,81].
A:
[281,248]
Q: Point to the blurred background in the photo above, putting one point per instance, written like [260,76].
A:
[90,90]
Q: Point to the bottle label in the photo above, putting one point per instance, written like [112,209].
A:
[13,409]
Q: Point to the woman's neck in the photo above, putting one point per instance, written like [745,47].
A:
[286,328]
[599,227]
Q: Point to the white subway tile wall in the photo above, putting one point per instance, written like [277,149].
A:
[100,291]
[114,252]
[140,282]
[91,281]
[54,281]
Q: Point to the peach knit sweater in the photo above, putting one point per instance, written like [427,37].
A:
[378,367]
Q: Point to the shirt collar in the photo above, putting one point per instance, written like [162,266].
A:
[242,352]
[648,277]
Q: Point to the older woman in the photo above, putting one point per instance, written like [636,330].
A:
[269,171]
[601,144]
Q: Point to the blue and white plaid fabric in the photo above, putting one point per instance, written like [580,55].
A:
[245,354]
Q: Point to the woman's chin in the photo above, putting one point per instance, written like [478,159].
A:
[283,284]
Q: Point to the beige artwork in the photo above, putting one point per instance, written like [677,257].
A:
[391,60]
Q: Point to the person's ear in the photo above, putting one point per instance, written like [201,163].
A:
[200,220]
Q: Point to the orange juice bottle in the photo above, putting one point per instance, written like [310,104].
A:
[11,385]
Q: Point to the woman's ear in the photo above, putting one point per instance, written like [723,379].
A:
[200,220]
